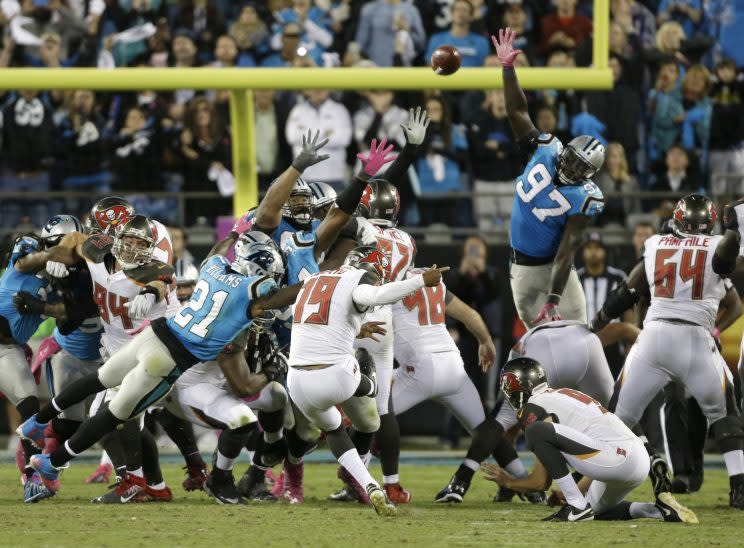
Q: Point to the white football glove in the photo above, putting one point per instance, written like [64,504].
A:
[415,127]
[140,306]
[57,270]
[366,235]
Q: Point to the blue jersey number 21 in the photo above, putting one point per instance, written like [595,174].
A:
[538,179]
[198,299]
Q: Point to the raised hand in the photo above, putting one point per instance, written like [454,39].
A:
[415,127]
[432,276]
[376,157]
[309,156]
[504,45]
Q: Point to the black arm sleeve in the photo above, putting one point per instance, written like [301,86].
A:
[348,200]
[723,267]
[397,170]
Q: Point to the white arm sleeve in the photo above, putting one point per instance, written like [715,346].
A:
[376,295]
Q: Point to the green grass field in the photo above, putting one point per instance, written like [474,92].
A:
[192,519]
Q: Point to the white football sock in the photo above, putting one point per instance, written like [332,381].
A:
[734,462]
[389,480]
[351,461]
[644,510]
[366,458]
[105,459]
[273,437]
[571,491]
[157,486]
[223,462]
[470,463]
[516,468]
[138,472]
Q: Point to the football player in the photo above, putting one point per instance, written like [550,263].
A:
[226,299]
[554,202]
[328,315]
[565,427]
[682,276]
[16,380]
[324,197]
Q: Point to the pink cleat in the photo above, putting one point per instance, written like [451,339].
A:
[344,475]
[278,490]
[293,489]
[101,475]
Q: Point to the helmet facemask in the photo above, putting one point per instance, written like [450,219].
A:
[299,207]
[132,251]
[573,168]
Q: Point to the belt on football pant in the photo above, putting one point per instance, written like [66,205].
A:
[312,367]
[677,321]
[517,257]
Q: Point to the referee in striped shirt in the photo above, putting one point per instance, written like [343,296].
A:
[598,280]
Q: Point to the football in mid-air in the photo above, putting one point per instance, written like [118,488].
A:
[445,60]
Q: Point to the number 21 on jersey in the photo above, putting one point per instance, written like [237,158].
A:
[537,180]
[195,313]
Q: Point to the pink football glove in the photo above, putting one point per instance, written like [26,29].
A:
[549,312]
[376,157]
[504,47]
[244,224]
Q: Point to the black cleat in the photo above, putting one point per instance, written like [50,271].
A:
[659,474]
[504,495]
[273,453]
[672,511]
[252,486]
[220,485]
[344,494]
[535,497]
[571,513]
[454,492]
[680,486]
[736,495]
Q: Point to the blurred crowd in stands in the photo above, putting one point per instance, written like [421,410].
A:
[673,121]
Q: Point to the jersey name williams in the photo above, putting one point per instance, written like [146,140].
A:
[218,273]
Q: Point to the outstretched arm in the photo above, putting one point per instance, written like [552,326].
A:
[239,378]
[415,131]
[269,212]
[473,322]
[516,102]
[68,251]
[367,294]
[538,480]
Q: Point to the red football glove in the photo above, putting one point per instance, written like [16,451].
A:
[504,47]
[376,157]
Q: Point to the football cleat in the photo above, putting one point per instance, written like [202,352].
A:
[736,495]
[454,492]
[32,431]
[34,490]
[380,501]
[196,475]
[534,497]
[397,494]
[273,453]
[353,485]
[293,483]
[253,486]
[124,491]
[680,486]
[150,494]
[659,474]
[220,485]
[345,494]
[673,511]
[571,513]
[504,495]
[48,473]
[101,475]
[277,491]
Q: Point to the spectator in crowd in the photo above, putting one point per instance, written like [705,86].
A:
[546,121]
[136,153]
[249,32]
[291,53]
[226,54]
[634,17]
[565,28]
[54,18]
[566,102]
[641,232]
[183,50]
[472,47]
[379,117]
[495,159]
[202,19]
[698,107]
[205,147]
[614,177]
[727,130]
[383,23]
[515,17]
[127,16]
[676,178]
[726,24]
[27,148]
[319,111]
[673,44]
[82,150]
[443,157]
[688,13]
[619,109]
[665,110]
[50,53]
[314,22]
[273,153]
[479,286]
[179,241]
[626,46]
[598,279]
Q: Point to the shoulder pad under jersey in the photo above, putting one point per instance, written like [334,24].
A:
[151,272]
[261,286]
[97,246]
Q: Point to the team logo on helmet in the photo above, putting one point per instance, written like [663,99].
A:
[112,217]
[510,382]
[366,196]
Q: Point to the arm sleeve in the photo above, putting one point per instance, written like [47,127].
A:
[372,295]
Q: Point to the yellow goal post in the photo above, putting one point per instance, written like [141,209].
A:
[242,81]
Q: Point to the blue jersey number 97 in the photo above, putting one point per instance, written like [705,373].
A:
[538,179]
[193,311]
